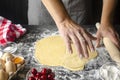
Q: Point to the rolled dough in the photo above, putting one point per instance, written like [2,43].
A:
[52,51]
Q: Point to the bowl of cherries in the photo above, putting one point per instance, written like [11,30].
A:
[40,74]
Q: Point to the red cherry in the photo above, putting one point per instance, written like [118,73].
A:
[34,71]
[31,78]
[39,79]
[51,79]
[38,75]
[49,76]
[44,71]
[53,74]
[49,71]
[43,77]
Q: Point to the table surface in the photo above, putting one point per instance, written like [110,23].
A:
[26,44]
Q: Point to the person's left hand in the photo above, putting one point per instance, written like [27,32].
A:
[107,30]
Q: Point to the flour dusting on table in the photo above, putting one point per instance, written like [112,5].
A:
[26,48]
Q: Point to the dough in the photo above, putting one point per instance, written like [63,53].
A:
[52,51]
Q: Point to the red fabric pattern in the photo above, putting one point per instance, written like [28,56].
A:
[9,32]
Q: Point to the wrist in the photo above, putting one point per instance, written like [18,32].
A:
[63,21]
[106,22]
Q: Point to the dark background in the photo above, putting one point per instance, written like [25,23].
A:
[16,10]
[97,9]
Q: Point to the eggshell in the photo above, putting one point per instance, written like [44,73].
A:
[7,55]
[10,66]
[3,75]
[2,62]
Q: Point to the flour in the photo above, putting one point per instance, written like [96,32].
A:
[47,33]
[110,71]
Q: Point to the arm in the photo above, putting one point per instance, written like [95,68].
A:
[107,29]
[108,11]
[69,30]
[56,10]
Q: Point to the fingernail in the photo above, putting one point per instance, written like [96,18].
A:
[86,56]
[92,50]
[80,56]
[70,51]
[96,46]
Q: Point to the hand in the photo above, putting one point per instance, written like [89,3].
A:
[107,30]
[73,33]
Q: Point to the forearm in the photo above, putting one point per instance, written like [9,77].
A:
[56,10]
[108,11]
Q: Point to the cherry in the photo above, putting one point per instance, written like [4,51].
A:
[44,71]
[34,71]
[51,79]
[39,79]
[49,71]
[31,78]
[49,76]
[38,75]
[43,77]
[53,74]
[44,74]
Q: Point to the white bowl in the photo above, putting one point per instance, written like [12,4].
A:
[10,47]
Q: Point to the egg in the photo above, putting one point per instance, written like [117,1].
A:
[10,66]
[2,63]
[7,55]
[3,75]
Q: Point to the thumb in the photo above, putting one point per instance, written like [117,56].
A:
[98,39]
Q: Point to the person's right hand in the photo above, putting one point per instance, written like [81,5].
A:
[69,30]
[107,30]
[74,33]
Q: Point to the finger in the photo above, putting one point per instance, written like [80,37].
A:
[98,43]
[83,45]
[68,44]
[98,39]
[118,38]
[91,36]
[89,42]
[77,44]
